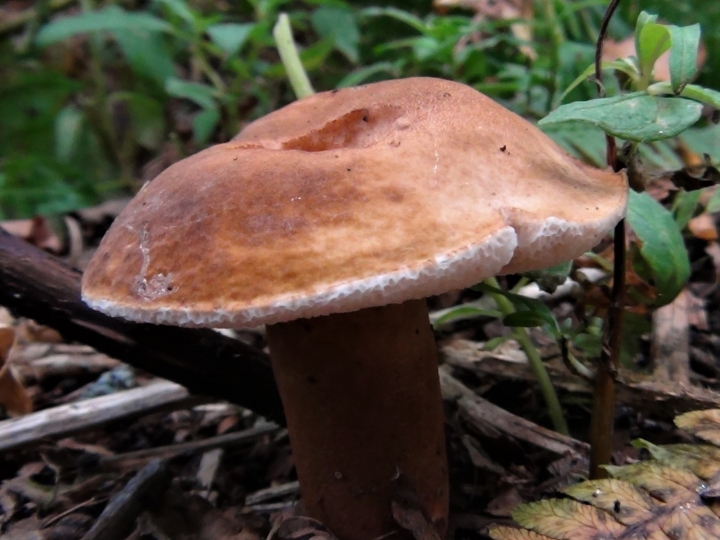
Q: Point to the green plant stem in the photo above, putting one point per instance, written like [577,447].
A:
[282,32]
[208,71]
[536,364]
[557,37]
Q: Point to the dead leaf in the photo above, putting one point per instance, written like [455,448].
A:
[703,424]
[703,227]
[713,249]
[37,231]
[512,533]
[413,520]
[13,396]
[505,503]
[408,512]
[673,496]
[28,331]
[558,518]
[299,528]
[695,177]
[697,314]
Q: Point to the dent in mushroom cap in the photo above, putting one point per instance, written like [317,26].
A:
[346,200]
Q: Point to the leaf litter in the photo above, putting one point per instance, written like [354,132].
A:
[674,496]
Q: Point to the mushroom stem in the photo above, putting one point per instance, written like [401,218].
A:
[363,405]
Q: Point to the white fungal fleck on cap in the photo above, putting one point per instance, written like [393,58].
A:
[158,285]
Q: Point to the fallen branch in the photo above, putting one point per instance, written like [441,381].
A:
[483,415]
[204,445]
[118,518]
[91,413]
[42,287]
[660,400]
[273,492]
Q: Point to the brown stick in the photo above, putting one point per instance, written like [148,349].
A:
[485,415]
[36,285]
[602,424]
[92,413]
[118,518]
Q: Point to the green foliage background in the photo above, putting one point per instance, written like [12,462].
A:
[92,94]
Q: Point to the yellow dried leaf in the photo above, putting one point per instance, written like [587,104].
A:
[691,520]
[497,532]
[702,460]
[624,501]
[666,483]
[674,497]
[13,396]
[567,520]
[703,424]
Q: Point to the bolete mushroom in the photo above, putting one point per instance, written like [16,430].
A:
[330,220]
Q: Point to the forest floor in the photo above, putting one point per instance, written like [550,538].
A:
[205,469]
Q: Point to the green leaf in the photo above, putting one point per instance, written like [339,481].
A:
[361,75]
[684,206]
[201,94]
[107,19]
[37,184]
[398,14]
[643,19]
[637,117]
[181,9]
[541,313]
[204,123]
[713,205]
[146,118]
[338,25]
[525,319]
[147,55]
[230,37]
[68,124]
[653,42]
[703,95]
[625,65]
[663,248]
[461,313]
[683,55]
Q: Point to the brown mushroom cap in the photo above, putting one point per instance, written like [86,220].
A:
[350,199]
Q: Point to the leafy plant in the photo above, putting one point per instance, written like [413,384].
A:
[76,132]
[655,111]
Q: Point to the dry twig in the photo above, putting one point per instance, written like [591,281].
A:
[91,413]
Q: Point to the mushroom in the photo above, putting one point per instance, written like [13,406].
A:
[329,221]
